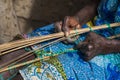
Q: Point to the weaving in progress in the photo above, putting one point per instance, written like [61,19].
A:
[57,60]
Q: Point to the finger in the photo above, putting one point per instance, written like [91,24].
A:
[66,29]
[70,40]
[88,38]
[88,53]
[92,36]
[88,56]
[58,26]
[65,26]
[78,26]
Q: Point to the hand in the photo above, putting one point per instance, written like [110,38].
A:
[68,24]
[93,45]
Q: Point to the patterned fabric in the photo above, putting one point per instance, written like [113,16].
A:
[44,72]
[70,65]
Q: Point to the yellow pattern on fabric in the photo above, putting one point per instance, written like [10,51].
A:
[54,61]
[90,24]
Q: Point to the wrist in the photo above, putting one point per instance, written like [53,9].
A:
[112,46]
[76,18]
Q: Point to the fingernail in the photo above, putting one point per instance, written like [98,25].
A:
[78,26]
[66,34]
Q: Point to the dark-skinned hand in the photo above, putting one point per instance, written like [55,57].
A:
[92,46]
[69,23]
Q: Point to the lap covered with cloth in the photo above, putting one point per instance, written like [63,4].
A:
[69,65]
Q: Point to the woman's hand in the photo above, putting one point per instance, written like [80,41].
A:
[85,14]
[93,45]
[69,23]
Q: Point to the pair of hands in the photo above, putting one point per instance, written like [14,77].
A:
[93,44]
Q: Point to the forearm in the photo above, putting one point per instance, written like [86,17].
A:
[115,47]
[86,14]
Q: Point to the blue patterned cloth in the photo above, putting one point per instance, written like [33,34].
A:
[102,67]
[42,72]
